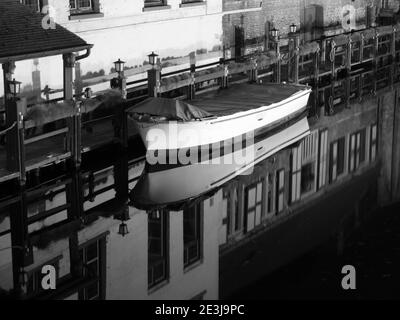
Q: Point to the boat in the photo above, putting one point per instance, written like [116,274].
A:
[245,124]
[160,186]
[177,132]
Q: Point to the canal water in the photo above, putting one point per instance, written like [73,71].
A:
[227,242]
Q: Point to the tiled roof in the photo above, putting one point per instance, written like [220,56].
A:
[21,33]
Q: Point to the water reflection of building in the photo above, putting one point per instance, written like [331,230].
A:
[115,252]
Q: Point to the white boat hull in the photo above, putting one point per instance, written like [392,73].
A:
[179,135]
[186,182]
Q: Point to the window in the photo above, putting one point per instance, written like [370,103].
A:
[270,187]
[154,3]
[363,141]
[192,235]
[296,173]
[307,177]
[280,189]
[157,247]
[233,212]
[93,258]
[78,7]
[191,1]
[357,149]
[35,5]
[253,205]
[336,159]
[373,144]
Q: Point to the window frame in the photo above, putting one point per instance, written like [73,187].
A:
[155,3]
[198,241]
[77,10]
[373,146]
[164,258]
[258,204]
[280,191]
[101,257]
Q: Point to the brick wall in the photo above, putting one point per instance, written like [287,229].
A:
[282,13]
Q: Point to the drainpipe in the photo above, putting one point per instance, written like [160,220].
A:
[85,55]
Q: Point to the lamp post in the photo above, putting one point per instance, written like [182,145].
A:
[123,229]
[152,58]
[293,28]
[123,217]
[153,75]
[294,54]
[88,93]
[274,33]
[119,67]
[120,81]
[14,87]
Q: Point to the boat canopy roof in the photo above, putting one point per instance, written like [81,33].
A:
[222,102]
[171,109]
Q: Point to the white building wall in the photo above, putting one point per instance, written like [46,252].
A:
[126,31]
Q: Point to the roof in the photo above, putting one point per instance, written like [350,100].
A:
[23,37]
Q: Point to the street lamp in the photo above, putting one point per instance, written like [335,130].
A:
[88,93]
[293,28]
[275,33]
[152,58]
[14,87]
[123,217]
[119,66]
[123,229]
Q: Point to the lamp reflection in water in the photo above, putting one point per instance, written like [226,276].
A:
[123,217]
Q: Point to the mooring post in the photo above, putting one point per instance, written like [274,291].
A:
[293,64]
[348,71]
[22,253]
[75,197]
[192,86]
[76,136]
[154,79]
[224,79]
[393,57]
[121,176]
[278,63]
[21,149]
[375,60]
[253,73]
[316,82]
[121,125]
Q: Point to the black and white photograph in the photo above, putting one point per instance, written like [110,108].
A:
[221,150]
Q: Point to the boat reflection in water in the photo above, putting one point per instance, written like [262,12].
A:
[169,184]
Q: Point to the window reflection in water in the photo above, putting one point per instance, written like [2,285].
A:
[157,247]
[192,219]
